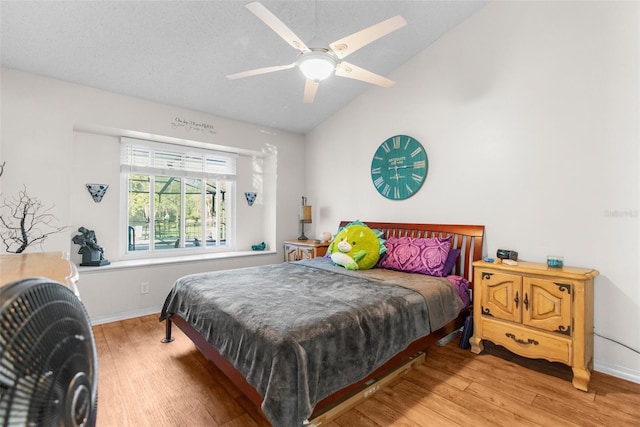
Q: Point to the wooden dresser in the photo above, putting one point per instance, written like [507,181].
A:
[537,312]
[296,250]
[52,265]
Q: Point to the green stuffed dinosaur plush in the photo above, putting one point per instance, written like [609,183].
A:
[356,246]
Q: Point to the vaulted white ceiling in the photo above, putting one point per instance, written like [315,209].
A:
[179,52]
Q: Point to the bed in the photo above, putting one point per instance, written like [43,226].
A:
[307,340]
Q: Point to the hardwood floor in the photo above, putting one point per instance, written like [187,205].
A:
[143,382]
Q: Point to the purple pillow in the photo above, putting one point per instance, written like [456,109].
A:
[452,257]
[462,285]
[412,255]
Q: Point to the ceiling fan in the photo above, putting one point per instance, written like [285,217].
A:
[319,63]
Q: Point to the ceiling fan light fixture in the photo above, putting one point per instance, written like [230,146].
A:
[317,65]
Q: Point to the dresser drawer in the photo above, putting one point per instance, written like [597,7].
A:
[528,342]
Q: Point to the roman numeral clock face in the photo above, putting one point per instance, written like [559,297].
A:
[399,167]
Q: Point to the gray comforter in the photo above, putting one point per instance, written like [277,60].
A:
[301,331]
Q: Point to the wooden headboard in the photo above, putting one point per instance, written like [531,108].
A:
[467,238]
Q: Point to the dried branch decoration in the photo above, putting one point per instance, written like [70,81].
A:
[23,221]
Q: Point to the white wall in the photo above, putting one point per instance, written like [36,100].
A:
[56,137]
[529,114]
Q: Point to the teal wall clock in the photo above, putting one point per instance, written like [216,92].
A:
[399,167]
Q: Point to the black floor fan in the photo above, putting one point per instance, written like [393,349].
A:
[48,359]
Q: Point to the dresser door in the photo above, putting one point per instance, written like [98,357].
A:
[547,304]
[502,296]
[306,253]
[290,253]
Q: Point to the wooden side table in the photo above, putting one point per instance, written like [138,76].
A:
[296,250]
[52,265]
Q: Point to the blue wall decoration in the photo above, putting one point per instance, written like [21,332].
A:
[251,197]
[97,191]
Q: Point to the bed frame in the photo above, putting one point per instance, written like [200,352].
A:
[467,238]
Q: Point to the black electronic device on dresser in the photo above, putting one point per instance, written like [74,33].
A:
[507,254]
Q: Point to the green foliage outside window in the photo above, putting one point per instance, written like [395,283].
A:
[170,230]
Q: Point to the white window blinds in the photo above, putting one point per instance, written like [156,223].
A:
[156,158]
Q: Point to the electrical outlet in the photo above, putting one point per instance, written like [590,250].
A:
[144,287]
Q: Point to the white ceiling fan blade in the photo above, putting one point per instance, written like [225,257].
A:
[347,45]
[259,71]
[310,89]
[277,25]
[345,69]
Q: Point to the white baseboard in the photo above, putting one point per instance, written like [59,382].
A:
[617,371]
[99,320]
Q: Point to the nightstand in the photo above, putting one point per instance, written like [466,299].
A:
[536,311]
[296,250]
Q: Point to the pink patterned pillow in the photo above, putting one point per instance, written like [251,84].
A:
[412,255]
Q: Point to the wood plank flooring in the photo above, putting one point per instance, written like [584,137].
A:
[143,382]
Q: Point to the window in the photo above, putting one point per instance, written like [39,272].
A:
[178,198]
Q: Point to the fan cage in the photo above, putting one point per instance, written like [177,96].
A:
[48,358]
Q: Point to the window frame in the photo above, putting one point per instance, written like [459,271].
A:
[205,175]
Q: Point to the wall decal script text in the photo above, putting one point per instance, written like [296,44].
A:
[190,125]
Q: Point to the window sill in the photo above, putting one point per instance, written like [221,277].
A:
[149,262]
